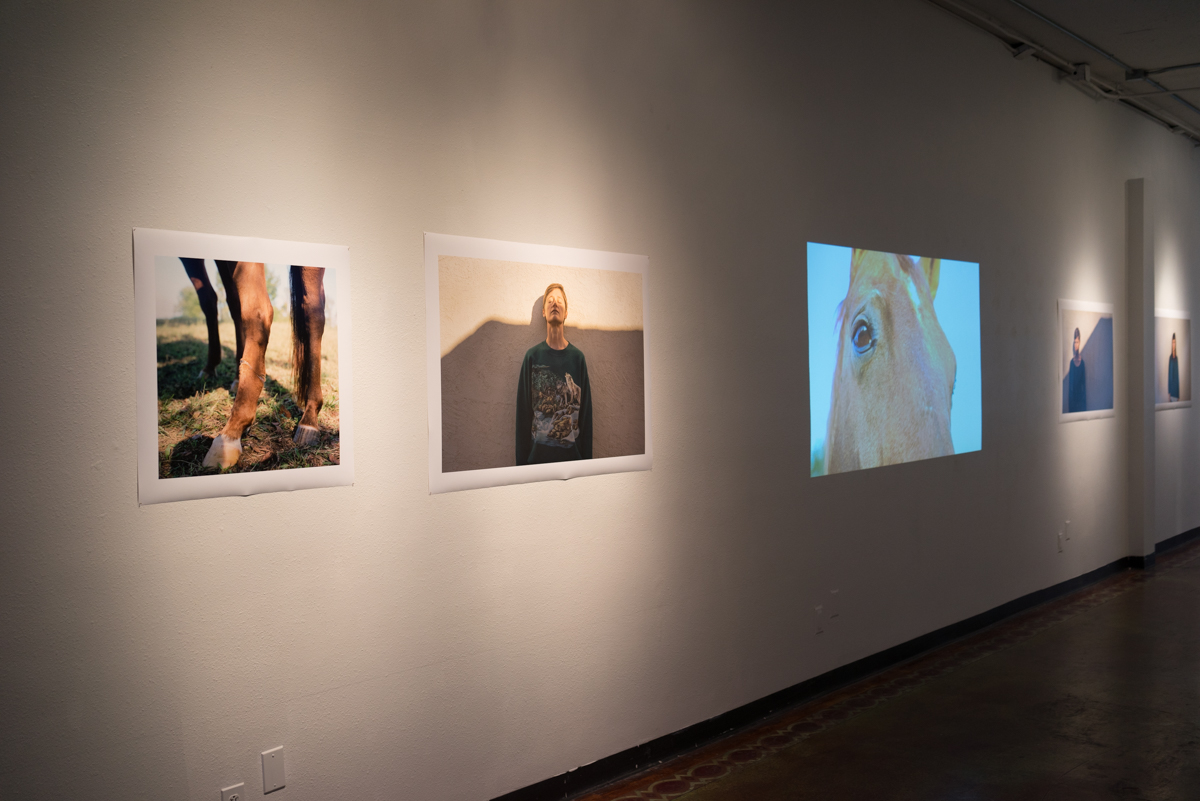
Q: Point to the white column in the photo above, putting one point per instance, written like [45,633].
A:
[1139,260]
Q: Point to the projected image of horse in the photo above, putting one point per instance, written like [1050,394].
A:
[894,378]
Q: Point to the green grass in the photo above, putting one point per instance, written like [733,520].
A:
[192,410]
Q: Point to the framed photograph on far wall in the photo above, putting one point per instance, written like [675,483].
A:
[537,362]
[242,352]
[1085,360]
[1172,359]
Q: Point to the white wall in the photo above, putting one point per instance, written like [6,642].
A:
[1177,431]
[403,645]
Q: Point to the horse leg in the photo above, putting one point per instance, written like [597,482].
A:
[226,270]
[208,304]
[308,326]
[253,320]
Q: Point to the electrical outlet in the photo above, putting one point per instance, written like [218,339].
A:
[820,610]
[1067,529]
[1060,541]
[272,766]
[235,793]
[835,607]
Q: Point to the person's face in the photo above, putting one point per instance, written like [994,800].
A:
[554,307]
[1075,346]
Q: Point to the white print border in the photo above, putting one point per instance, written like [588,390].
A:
[437,245]
[149,243]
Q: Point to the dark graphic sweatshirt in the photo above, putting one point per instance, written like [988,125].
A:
[1077,387]
[554,406]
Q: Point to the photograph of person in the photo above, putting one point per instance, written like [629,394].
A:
[894,358]
[1172,359]
[1173,373]
[242,358]
[537,363]
[1086,361]
[1076,379]
[554,407]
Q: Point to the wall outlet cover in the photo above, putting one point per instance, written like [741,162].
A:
[235,793]
[272,766]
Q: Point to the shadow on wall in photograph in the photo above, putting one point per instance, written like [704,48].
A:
[1096,358]
[479,387]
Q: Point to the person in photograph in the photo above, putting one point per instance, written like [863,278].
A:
[1077,380]
[1173,374]
[554,398]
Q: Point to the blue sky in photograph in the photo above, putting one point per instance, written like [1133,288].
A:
[957,306]
[170,279]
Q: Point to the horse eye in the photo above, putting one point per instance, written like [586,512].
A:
[861,337]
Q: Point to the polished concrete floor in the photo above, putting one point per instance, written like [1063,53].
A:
[1094,696]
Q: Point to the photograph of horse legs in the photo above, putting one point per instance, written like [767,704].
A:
[247,366]
[894,358]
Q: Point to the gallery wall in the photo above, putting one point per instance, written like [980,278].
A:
[459,646]
[1177,287]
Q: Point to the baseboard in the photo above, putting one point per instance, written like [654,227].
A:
[1142,562]
[630,761]
[1171,543]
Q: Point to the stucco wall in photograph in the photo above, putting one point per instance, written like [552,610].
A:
[491,313]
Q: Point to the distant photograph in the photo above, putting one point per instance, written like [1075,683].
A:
[894,358]
[1085,359]
[540,363]
[241,363]
[1172,359]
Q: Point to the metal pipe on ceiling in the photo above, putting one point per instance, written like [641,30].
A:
[1034,12]
[1134,75]
[1021,45]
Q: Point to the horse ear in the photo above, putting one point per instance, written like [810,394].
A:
[856,256]
[933,270]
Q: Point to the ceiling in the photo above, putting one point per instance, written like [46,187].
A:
[1113,38]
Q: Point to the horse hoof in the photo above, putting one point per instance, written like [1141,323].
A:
[306,435]
[224,452]
[204,374]
[233,388]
